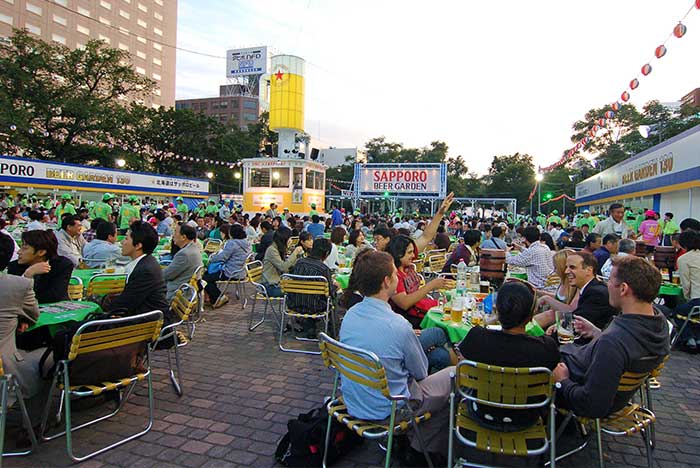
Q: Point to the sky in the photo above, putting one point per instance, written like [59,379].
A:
[486,77]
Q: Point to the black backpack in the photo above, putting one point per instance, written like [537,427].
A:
[303,444]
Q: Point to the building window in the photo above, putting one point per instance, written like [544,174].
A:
[280,177]
[157,46]
[123,46]
[6,19]
[33,29]
[158,16]
[106,5]
[105,21]
[140,54]
[124,14]
[141,70]
[58,38]
[60,20]
[83,30]
[102,37]
[34,9]
[250,104]
[259,177]
[158,31]
[141,23]
[314,180]
[60,2]
[156,76]
[123,30]
[157,61]
[156,92]
[298,178]
[83,11]
[142,40]
[250,117]
[143,8]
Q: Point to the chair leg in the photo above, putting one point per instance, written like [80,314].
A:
[3,414]
[419,435]
[599,439]
[252,327]
[647,444]
[47,406]
[13,386]
[328,438]
[678,334]
[390,439]
[175,379]
[450,441]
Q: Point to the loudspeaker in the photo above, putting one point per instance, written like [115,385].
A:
[268,149]
[314,154]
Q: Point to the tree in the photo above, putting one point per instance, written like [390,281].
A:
[66,104]
[511,176]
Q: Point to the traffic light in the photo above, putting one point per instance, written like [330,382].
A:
[548,196]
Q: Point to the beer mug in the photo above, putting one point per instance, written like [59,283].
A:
[565,328]
[484,287]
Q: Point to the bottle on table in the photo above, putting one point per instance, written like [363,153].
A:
[462,276]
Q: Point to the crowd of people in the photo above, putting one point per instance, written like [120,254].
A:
[585,264]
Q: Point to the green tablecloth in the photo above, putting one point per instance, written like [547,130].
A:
[85,275]
[343,279]
[457,331]
[670,289]
[65,311]
[522,276]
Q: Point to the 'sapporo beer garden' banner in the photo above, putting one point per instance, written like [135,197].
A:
[401,180]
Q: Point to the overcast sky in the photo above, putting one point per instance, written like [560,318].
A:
[486,77]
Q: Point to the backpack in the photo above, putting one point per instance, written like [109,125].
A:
[303,444]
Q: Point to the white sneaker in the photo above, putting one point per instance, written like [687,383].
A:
[691,343]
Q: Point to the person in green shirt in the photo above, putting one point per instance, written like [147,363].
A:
[541,219]
[668,228]
[182,208]
[640,219]
[313,210]
[49,203]
[66,207]
[211,207]
[586,219]
[103,209]
[128,212]
[554,218]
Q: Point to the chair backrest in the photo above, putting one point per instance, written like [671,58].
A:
[103,284]
[213,245]
[94,336]
[254,271]
[432,252]
[75,289]
[196,277]
[436,262]
[300,284]
[358,365]
[504,387]
[552,280]
[631,381]
[184,301]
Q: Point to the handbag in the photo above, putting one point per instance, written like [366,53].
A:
[215,268]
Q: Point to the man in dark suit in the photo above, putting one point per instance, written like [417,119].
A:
[145,287]
[593,303]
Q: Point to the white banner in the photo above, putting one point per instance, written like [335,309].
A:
[250,61]
[29,172]
[401,179]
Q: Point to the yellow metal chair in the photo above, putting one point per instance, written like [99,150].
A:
[75,289]
[437,262]
[254,274]
[692,317]
[104,284]
[198,313]
[213,245]
[292,244]
[101,335]
[10,388]
[364,368]
[510,388]
[183,304]
[305,286]
[552,282]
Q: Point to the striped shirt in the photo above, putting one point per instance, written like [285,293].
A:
[537,260]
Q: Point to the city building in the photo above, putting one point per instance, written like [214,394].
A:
[234,103]
[333,157]
[692,98]
[144,28]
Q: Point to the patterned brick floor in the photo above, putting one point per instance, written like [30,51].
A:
[240,390]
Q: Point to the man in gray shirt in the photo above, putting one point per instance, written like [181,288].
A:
[185,261]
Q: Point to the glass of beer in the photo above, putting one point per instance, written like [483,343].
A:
[478,315]
[110,266]
[484,287]
[565,328]
[457,309]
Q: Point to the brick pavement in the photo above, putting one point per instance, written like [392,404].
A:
[240,390]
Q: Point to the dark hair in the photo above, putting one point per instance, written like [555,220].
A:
[69,221]
[592,238]
[577,235]
[669,214]
[471,237]
[352,239]
[626,246]
[611,238]
[615,206]
[225,231]
[531,234]
[547,239]
[641,276]
[188,231]
[237,232]
[96,222]
[689,240]
[104,230]
[690,223]
[369,271]
[42,240]
[7,249]
[514,304]
[496,231]
[397,248]
[280,240]
[315,219]
[144,234]
[588,260]
[266,225]
[304,235]
[486,227]
[338,235]
[321,248]
[35,215]
[382,230]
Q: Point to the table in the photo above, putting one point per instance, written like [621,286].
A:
[86,274]
[670,289]
[343,279]
[457,331]
[70,311]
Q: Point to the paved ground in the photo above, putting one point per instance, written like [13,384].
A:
[240,390]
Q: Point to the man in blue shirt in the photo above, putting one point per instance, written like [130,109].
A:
[336,217]
[373,326]
[316,228]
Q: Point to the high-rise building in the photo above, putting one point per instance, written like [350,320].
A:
[692,99]
[233,104]
[140,27]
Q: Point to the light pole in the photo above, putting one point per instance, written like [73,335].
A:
[121,162]
[539,177]
[237,176]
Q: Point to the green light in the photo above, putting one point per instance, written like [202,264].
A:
[386,194]
[548,196]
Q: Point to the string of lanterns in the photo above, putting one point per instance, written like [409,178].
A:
[678,32]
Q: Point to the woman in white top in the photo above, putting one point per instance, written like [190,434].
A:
[337,238]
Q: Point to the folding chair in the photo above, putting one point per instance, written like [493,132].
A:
[292,244]
[365,368]
[184,303]
[197,314]
[102,335]
[239,285]
[304,286]
[104,284]
[75,289]
[510,388]
[213,246]
[9,387]
[254,273]
[552,282]
[437,262]
[692,317]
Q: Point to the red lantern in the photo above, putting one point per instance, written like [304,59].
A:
[584,141]
[697,4]
[634,84]
[609,114]
[660,51]
[601,122]
[679,30]
[646,69]
[616,105]
[625,96]
[591,132]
